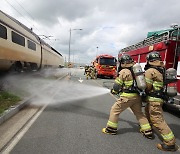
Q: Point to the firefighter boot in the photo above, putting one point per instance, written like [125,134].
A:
[165,147]
[148,134]
[109,130]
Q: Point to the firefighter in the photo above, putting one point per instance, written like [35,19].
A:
[154,75]
[85,69]
[88,72]
[93,72]
[128,98]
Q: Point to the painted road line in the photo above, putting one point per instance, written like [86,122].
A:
[18,137]
[21,133]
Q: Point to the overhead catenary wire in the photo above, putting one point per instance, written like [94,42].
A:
[29,14]
[24,9]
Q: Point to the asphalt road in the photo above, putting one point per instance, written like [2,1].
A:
[74,127]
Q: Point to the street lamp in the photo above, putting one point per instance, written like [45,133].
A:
[70,43]
[97,50]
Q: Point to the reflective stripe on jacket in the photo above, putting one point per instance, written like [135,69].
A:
[119,81]
[128,94]
[125,80]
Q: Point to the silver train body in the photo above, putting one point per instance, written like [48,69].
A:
[21,48]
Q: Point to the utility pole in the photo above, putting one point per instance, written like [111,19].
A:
[97,51]
[69,59]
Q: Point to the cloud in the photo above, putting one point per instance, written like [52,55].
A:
[110,25]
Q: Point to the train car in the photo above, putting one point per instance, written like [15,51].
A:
[167,43]
[105,65]
[21,48]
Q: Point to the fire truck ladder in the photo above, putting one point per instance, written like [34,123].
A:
[164,37]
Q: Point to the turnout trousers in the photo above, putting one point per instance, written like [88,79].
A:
[123,103]
[154,112]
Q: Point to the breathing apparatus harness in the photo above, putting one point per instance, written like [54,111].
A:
[133,88]
[165,93]
[119,89]
[140,89]
[138,84]
[157,93]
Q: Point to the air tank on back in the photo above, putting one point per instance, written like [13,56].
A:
[171,82]
[139,76]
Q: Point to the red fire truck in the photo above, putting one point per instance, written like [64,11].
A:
[167,42]
[105,65]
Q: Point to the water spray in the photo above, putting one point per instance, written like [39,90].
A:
[47,91]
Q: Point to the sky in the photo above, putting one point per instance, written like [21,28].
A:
[107,25]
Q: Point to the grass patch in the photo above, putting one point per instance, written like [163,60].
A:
[7,100]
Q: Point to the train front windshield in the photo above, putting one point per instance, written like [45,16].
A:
[108,61]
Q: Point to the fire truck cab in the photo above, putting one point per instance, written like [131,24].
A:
[105,65]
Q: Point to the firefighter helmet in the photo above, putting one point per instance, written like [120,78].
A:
[152,56]
[126,59]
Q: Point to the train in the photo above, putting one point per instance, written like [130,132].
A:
[21,49]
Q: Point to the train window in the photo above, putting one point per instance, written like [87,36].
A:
[16,38]
[31,45]
[3,32]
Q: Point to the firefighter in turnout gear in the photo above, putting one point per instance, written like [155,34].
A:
[86,68]
[93,73]
[88,72]
[154,76]
[129,97]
